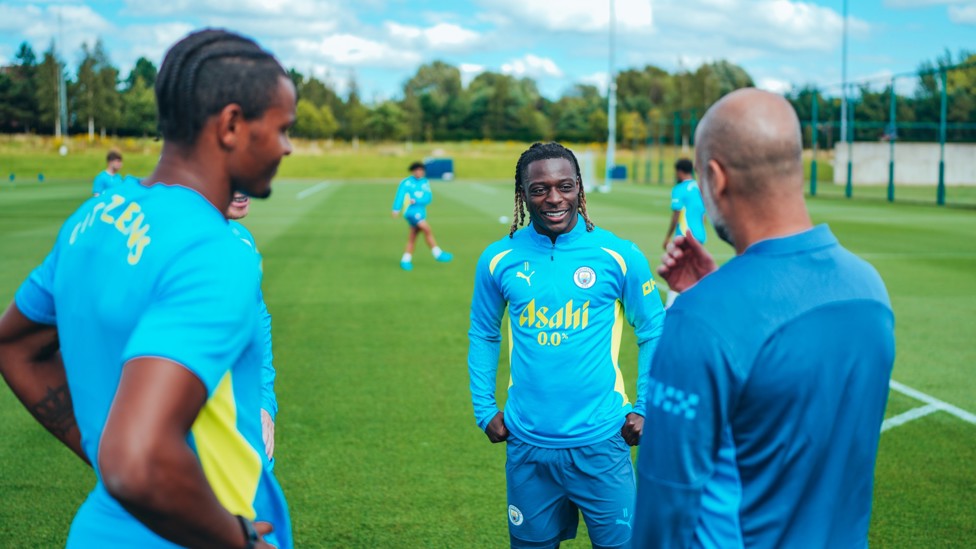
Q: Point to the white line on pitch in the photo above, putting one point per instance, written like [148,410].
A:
[941,405]
[311,190]
[905,417]
[485,188]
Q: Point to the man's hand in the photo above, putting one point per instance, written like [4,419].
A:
[263,529]
[496,430]
[267,432]
[666,242]
[633,428]
[685,263]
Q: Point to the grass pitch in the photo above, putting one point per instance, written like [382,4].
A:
[377,445]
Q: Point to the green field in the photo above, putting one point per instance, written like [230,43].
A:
[376,442]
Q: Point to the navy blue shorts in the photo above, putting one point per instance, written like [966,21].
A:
[548,488]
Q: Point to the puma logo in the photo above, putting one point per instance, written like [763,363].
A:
[528,279]
[627,520]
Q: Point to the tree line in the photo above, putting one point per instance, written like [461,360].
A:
[435,105]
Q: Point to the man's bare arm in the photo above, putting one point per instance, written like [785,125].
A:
[30,362]
[148,466]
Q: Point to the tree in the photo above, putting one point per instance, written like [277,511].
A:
[18,92]
[143,69]
[432,98]
[313,122]
[49,75]
[387,121]
[96,96]
[354,122]
[139,109]
[308,121]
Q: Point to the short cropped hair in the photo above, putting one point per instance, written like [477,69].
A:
[208,70]
[416,165]
[113,155]
[684,165]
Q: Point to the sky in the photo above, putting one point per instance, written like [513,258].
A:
[558,43]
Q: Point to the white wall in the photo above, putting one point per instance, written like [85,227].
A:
[915,163]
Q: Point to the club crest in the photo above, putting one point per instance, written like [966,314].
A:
[584,277]
[515,515]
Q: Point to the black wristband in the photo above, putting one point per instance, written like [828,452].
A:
[250,534]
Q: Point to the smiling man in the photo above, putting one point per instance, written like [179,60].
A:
[239,207]
[568,287]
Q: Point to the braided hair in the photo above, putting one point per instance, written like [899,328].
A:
[206,71]
[544,151]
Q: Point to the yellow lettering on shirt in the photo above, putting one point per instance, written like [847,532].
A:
[130,223]
[117,200]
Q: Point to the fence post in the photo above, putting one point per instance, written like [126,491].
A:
[892,136]
[660,152]
[849,189]
[648,147]
[677,129]
[940,195]
[814,138]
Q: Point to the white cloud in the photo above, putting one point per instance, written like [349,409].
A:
[76,23]
[922,3]
[351,50]
[962,12]
[532,66]
[774,85]
[572,15]
[446,35]
[442,36]
[599,79]
[965,15]
[238,9]
[469,71]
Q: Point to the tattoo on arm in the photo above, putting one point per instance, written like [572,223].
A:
[55,413]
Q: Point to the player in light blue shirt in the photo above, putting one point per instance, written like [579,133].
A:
[768,390]
[412,197]
[688,210]
[110,176]
[569,288]
[239,208]
[137,341]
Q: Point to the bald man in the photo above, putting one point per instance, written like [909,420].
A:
[771,378]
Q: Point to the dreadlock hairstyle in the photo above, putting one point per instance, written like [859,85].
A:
[206,71]
[544,151]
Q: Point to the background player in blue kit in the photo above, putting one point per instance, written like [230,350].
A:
[239,207]
[110,176]
[137,340]
[772,375]
[412,197]
[688,210]
[568,287]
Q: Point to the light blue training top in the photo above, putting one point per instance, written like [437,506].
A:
[567,305]
[155,272]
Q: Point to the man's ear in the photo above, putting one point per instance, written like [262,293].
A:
[718,178]
[230,126]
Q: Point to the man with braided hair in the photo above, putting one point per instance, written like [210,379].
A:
[137,341]
[568,286]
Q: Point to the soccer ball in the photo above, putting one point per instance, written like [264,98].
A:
[503,219]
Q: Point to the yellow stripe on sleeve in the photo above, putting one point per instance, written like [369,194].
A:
[495,260]
[231,465]
[618,330]
[619,258]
